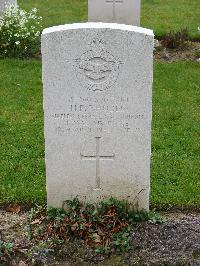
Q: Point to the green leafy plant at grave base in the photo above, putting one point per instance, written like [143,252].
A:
[176,40]
[6,249]
[105,226]
[197,54]
[19,32]
[120,241]
[38,254]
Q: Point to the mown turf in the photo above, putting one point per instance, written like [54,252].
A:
[165,15]
[159,15]
[176,134]
[22,151]
[175,178]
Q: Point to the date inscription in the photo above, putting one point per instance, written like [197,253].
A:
[97,115]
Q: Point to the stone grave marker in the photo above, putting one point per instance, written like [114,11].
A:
[119,11]
[4,3]
[97,80]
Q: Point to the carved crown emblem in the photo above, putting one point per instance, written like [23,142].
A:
[97,69]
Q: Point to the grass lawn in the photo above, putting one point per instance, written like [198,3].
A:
[159,15]
[176,131]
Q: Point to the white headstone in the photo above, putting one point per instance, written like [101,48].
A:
[119,11]
[97,80]
[4,3]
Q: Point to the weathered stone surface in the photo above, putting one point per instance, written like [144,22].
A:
[119,11]
[97,81]
[4,3]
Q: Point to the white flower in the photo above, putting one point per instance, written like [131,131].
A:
[19,28]
[157,44]
[37,33]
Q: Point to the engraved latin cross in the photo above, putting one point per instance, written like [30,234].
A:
[98,157]
[114,2]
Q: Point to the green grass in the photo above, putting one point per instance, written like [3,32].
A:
[160,15]
[165,15]
[176,134]
[56,12]
[175,178]
[22,149]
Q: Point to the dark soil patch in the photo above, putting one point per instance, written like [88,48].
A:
[175,242]
[191,52]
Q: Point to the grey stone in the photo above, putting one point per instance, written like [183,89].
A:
[4,3]
[119,11]
[97,81]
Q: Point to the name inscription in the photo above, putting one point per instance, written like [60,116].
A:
[97,115]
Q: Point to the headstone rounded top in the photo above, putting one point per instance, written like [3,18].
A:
[98,25]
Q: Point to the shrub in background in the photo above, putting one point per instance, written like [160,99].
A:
[19,32]
[176,40]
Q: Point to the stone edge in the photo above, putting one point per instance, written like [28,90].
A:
[98,25]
